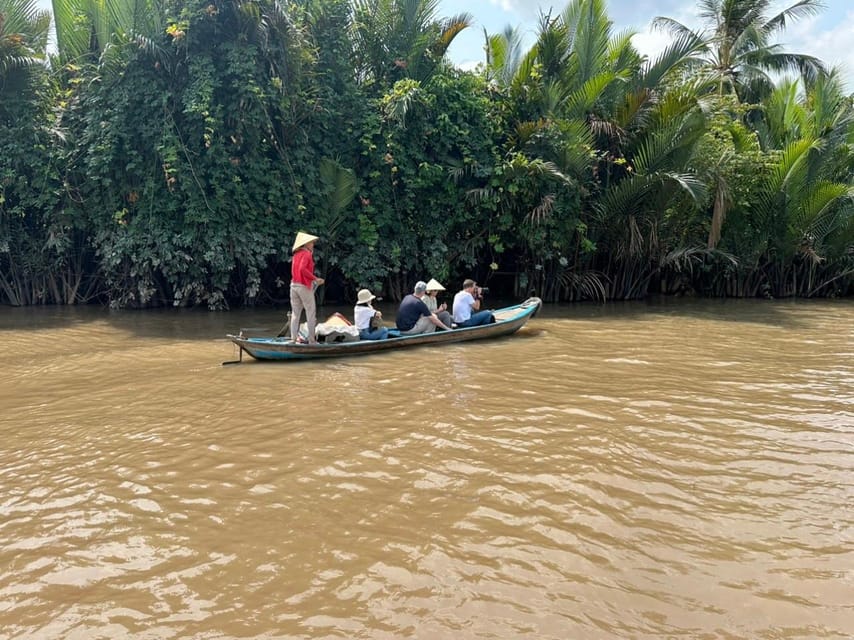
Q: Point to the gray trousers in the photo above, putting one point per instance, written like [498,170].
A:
[302,298]
[422,326]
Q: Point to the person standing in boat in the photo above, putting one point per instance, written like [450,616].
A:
[413,316]
[466,307]
[441,310]
[303,284]
[364,313]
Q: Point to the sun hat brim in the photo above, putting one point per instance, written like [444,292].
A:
[303,239]
[364,296]
[434,285]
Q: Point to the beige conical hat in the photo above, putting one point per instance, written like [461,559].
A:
[303,239]
[434,285]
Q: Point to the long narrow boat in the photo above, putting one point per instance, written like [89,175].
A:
[507,321]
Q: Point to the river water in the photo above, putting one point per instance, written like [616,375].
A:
[679,469]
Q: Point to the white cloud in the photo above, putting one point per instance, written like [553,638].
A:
[809,36]
[505,5]
[650,43]
[833,46]
[526,9]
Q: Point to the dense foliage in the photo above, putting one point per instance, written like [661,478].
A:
[169,151]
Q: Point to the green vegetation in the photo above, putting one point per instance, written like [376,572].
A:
[169,151]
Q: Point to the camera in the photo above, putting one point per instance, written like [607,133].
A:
[479,292]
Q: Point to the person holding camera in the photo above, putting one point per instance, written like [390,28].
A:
[466,307]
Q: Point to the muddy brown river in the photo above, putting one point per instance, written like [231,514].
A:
[678,469]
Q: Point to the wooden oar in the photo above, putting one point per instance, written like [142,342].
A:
[238,361]
[286,330]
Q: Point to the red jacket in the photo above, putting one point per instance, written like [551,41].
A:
[302,268]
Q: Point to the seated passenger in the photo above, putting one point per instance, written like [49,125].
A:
[413,316]
[467,306]
[441,310]
[364,313]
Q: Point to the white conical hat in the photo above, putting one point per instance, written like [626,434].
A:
[303,239]
[434,285]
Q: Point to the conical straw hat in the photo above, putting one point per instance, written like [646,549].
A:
[434,285]
[303,239]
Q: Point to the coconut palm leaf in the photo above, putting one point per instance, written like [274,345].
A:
[676,28]
[85,28]
[394,39]
[739,46]
[584,99]
[341,187]
[587,36]
[628,197]
[24,25]
[591,285]
[669,144]
[622,55]
[792,161]
[682,52]
[686,259]
[798,11]
[507,63]
[817,213]
[449,29]
[23,41]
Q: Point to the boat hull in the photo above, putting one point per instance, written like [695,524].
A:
[508,321]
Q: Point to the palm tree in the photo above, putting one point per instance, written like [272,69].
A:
[508,65]
[740,53]
[397,39]
[23,40]
[806,210]
[86,28]
[629,129]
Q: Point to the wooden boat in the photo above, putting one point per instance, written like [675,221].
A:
[507,321]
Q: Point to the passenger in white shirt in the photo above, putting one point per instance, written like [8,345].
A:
[466,308]
[363,313]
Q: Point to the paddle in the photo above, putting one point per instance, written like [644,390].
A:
[238,361]
[286,330]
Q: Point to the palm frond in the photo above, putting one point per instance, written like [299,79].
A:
[675,28]
[397,107]
[341,188]
[542,210]
[449,29]
[818,216]
[583,100]
[682,52]
[591,285]
[685,259]
[798,11]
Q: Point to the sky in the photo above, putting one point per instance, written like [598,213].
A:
[828,36]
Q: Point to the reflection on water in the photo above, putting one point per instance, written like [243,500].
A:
[637,471]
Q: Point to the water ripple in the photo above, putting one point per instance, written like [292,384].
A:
[646,472]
